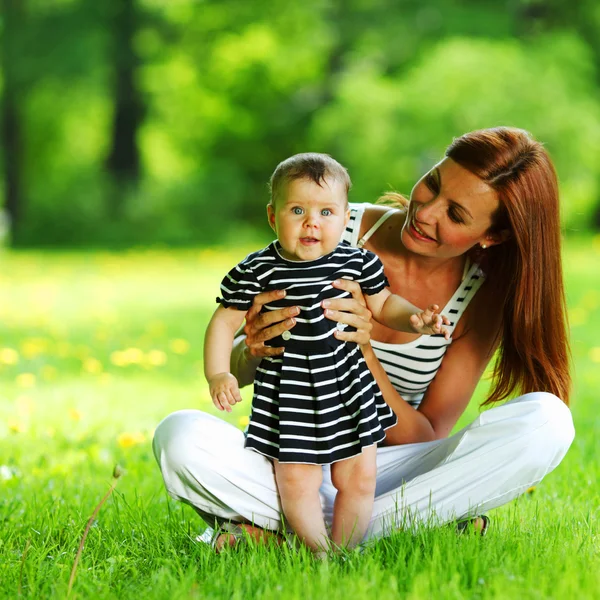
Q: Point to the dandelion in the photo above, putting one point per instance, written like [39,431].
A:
[133,356]
[74,414]
[243,421]
[156,358]
[32,347]
[595,354]
[15,426]
[128,439]
[118,359]
[9,356]
[25,380]
[179,346]
[92,365]
[578,316]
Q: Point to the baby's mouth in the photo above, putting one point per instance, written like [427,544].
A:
[308,241]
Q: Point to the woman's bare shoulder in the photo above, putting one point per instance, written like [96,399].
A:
[372,213]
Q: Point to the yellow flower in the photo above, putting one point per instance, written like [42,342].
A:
[8,356]
[156,358]
[118,359]
[179,346]
[92,365]
[578,316]
[243,421]
[128,439]
[26,380]
[74,414]
[133,355]
[15,426]
[33,347]
[595,354]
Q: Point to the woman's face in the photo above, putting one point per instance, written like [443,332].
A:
[450,211]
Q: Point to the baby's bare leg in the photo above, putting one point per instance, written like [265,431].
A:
[298,486]
[354,480]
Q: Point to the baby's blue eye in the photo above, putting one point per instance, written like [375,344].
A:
[297,210]
[325,212]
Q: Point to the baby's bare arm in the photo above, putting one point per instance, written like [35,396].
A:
[392,311]
[398,313]
[218,343]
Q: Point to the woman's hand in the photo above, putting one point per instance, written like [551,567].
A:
[350,311]
[261,327]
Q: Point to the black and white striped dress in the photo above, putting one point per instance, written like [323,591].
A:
[317,403]
[411,367]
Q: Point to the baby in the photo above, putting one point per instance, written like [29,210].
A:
[317,403]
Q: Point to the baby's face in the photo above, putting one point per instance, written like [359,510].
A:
[309,220]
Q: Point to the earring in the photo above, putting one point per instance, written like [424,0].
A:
[483,246]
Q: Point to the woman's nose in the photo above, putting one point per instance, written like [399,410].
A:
[428,211]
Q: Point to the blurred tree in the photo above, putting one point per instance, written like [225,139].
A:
[540,17]
[123,161]
[12,138]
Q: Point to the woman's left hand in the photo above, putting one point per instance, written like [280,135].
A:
[350,311]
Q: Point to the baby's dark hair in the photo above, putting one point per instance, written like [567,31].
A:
[308,165]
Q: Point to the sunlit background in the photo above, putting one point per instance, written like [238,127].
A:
[137,139]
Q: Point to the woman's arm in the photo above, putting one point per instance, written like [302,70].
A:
[450,392]
[249,344]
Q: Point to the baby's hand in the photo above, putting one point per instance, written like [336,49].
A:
[430,322]
[224,391]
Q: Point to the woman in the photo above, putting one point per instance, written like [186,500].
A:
[481,234]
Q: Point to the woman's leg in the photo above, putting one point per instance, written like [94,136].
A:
[495,459]
[204,464]
[506,450]
[298,486]
[354,480]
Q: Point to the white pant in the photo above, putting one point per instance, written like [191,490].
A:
[503,452]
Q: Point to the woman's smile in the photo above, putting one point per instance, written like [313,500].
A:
[417,233]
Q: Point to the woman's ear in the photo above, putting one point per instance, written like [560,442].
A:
[493,239]
[271,216]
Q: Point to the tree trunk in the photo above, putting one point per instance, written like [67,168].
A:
[11,122]
[123,162]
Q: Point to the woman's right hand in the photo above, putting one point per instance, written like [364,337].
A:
[350,311]
[261,327]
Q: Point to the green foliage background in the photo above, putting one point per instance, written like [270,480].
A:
[230,87]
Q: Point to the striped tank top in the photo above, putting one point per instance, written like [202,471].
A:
[411,367]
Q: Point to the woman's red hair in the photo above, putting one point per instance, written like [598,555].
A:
[525,271]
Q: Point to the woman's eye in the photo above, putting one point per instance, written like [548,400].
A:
[325,212]
[297,210]
[454,216]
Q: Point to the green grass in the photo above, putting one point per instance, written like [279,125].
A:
[96,348]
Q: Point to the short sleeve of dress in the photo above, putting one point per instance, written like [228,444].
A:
[372,279]
[239,287]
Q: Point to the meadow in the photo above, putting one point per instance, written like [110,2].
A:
[97,347]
